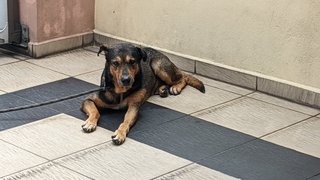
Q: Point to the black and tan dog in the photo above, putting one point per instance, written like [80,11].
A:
[132,75]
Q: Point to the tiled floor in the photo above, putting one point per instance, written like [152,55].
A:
[227,133]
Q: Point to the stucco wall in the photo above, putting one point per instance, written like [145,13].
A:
[51,19]
[278,38]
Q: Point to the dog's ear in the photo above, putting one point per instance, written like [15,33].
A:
[104,49]
[142,53]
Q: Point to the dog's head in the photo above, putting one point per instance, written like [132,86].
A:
[123,65]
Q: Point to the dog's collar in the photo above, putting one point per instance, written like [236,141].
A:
[121,97]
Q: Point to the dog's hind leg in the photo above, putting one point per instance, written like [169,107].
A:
[174,77]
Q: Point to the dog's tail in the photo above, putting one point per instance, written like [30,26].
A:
[194,82]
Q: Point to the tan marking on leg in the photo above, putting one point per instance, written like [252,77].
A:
[91,110]
[176,88]
[134,103]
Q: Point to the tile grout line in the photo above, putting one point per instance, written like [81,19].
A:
[75,152]
[313,176]
[75,76]
[24,149]
[286,127]
[282,106]
[25,169]
[48,69]
[217,105]
[174,170]
[218,153]
[234,147]
[71,169]
[17,61]
[50,160]
[39,165]
[228,90]
[187,114]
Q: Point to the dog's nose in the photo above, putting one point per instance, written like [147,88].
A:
[125,80]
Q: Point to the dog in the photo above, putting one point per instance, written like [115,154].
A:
[131,75]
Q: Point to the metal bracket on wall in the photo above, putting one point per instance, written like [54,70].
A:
[24,35]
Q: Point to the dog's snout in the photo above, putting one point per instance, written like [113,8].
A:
[125,80]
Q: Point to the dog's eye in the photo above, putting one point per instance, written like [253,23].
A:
[115,63]
[133,62]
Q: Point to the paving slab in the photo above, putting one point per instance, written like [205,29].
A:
[17,118]
[55,90]
[14,159]
[150,116]
[22,75]
[196,171]
[92,77]
[54,137]
[303,137]
[46,171]
[72,63]
[251,116]
[191,138]
[285,103]
[263,160]
[6,60]
[135,160]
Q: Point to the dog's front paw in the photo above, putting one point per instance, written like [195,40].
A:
[89,126]
[118,137]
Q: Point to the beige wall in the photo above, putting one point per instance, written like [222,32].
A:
[50,19]
[278,38]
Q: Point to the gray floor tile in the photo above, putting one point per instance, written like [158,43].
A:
[284,103]
[303,137]
[72,63]
[251,116]
[263,160]
[54,137]
[224,86]
[191,138]
[55,90]
[69,105]
[14,159]
[315,177]
[150,116]
[191,100]
[10,101]
[133,160]
[18,118]
[196,171]
[46,171]
[23,75]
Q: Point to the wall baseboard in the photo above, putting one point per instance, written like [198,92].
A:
[56,45]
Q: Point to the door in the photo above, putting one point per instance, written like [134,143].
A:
[3,22]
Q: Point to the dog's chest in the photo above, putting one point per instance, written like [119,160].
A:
[114,101]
